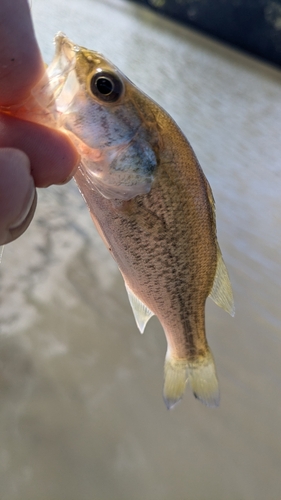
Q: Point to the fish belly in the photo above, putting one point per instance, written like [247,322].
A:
[165,246]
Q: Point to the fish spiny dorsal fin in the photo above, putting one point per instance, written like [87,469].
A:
[221,292]
[141,312]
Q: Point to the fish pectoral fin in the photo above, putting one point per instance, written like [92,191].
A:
[141,312]
[221,292]
[201,376]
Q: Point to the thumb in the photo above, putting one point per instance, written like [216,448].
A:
[17,194]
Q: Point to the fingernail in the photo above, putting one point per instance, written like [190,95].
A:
[17,231]
[29,199]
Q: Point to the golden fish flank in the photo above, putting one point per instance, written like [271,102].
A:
[151,204]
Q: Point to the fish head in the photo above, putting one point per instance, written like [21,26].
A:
[105,115]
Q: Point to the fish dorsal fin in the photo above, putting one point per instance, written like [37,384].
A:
[141,312]
[221,292]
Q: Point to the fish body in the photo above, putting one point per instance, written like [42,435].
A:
[152,205]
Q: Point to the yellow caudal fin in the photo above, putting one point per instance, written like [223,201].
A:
[201,375]
[175,378]
[221,292]
[203,381]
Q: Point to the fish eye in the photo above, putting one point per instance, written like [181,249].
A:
[106,86]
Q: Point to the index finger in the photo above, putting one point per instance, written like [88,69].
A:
[21,64]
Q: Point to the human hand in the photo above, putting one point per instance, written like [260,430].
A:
[31,155]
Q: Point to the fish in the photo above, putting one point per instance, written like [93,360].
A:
[151,204]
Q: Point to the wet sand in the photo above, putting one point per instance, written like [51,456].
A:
[81,409]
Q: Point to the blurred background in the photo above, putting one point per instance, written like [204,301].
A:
[252,25]
[81,409]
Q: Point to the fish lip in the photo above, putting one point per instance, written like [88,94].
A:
[63,43]
[63,63]
[64,60]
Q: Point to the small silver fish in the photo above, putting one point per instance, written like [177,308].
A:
[152,205]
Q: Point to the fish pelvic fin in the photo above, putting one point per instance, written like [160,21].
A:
[141,312]
[221,292]
[202,378]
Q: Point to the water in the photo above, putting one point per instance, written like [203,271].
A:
[82,415]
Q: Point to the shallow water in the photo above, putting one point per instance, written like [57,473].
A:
[81,410]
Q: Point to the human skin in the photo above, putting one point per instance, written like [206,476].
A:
[31,155]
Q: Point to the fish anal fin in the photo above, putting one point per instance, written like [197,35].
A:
[221,292]
[141,312]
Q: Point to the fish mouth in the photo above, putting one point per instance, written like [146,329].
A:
[61,73]
[63,43]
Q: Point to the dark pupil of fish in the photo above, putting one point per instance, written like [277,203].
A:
[104,85]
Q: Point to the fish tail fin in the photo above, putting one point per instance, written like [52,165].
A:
[201,375]
[203,380]
[175,378]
